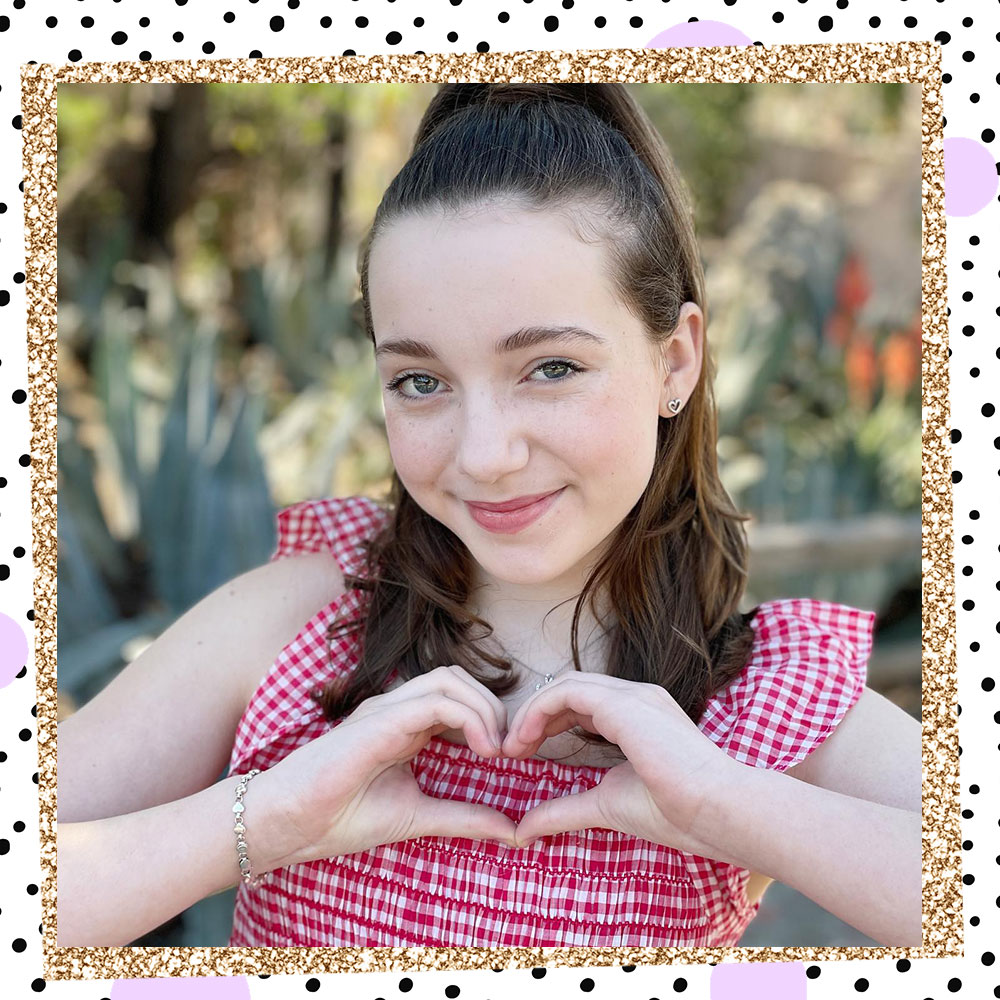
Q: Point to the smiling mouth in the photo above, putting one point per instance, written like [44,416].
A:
[514,519]
[518,503]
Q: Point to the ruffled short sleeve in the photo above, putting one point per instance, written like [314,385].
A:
[340,525]
[808,667]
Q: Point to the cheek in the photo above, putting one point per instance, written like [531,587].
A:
[417,450]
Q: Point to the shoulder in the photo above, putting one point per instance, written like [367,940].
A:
[806,670]
[337,525]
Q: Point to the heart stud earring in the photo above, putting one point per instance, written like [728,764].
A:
[675,405]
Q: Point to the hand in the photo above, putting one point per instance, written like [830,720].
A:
[672,769]
[352,788]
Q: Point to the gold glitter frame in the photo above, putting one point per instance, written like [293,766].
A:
[909,62]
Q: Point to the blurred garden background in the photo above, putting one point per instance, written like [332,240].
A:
[213,367]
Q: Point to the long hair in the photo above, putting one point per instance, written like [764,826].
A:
[676,570]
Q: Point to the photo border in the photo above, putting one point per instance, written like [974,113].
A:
[899,62]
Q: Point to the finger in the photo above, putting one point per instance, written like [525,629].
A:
[499,708]
[412,722]
[575,702]
[579,811]
[526,742]
[458,683]
[448,818]
[574,678]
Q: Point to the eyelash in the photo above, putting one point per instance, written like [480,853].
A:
[393,385]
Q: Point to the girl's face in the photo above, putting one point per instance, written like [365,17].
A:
[510,370]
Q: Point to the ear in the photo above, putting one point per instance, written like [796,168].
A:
[681,355]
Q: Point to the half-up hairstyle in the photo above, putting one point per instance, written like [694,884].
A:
[674,574]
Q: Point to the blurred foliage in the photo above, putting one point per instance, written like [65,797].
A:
[212,367]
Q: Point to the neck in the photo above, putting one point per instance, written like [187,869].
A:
[536,628]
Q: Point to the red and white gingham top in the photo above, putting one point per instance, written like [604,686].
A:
[597,887]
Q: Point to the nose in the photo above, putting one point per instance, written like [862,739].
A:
[491,441]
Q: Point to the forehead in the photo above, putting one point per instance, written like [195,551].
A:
[495,268]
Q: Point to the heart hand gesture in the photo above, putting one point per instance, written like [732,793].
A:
[672,769]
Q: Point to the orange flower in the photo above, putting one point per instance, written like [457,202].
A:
[853,286]
[900,362]
[838,328]
[861,368]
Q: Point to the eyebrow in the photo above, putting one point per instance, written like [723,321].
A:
[520,340]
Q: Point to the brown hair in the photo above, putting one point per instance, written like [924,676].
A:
[676,570]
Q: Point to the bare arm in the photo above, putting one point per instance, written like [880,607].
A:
[858,859]
[164,727]
[120,877]
[843,827]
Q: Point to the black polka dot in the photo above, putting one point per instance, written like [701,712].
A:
[599,22]
[861,985]
[968,56]
[18,827]
[393,38]
[418,22]
[208,48]
[636,22]
[988,684]
[777,17]
[31,889]
[405,985]
[988,135]
[145,55]
[325,22]
[988,410]
[38,985]
[956,435]
[51,22]
[119,38]
[4,845]
[361,22]
[974,921]
[178,36]
[874,22]
[954,985]
[19,277]
[988,958]
[680,985]
[586,985]
[24,735]
[825,23]
[813,972]
[86,22]
[25,460]
[277,22]
[538,973]
[312,985]
[229,17]
[910,22]
[74,55]
[16,122]
[903,965]
[451,992]
[19,944]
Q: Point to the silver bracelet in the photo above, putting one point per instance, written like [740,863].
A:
[240,829]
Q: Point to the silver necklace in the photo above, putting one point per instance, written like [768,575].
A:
[547,677]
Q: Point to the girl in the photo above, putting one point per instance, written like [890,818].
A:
[523,709]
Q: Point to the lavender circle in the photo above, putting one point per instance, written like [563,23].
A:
[13,649]
[970,176]
[758,981]
[182,988]
[699,33]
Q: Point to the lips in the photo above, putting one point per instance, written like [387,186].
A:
[508,505]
